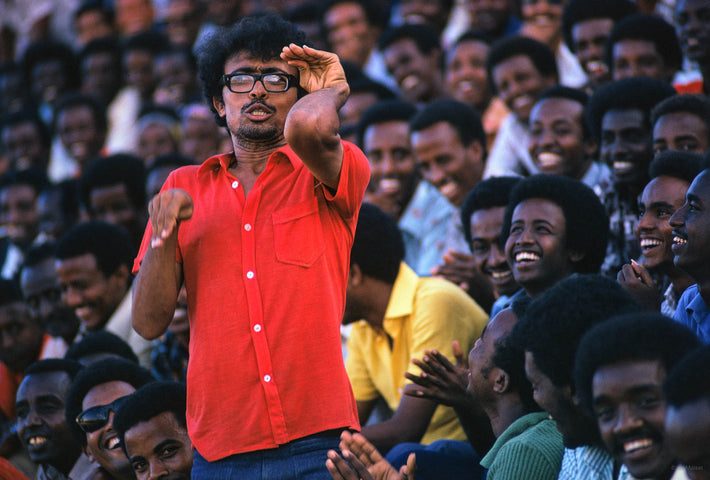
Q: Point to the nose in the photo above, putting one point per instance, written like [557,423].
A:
[644,224]
[436,175]
[71,297]
[496,256]
[387,164]
[678,217]
[157,469]
[626,420]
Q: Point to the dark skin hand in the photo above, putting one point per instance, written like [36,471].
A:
[361,460]
[459,268]
[441,380]
[637,280]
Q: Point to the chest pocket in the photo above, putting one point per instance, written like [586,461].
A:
[298,233]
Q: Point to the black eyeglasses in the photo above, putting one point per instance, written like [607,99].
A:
[244,82]
[96,417]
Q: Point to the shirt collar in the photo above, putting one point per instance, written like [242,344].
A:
[224,160]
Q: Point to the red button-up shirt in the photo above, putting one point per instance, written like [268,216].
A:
[265,278]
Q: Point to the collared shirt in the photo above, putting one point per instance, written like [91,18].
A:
[531,447]
[694,313]
[265,276]
[509,154]
[679,473]
[423,313]
[587,463]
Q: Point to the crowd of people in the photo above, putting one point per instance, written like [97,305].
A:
[355,239]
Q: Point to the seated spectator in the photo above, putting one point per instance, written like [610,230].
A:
[93,20]
[618,113]
[41,423]
[549,333]
[653,279]
[619,372]
[58,210]
[495,19]
[586,25]
[42,292]
[399,315]
[152,429]
[482,219]
[160,168]
[93,398]
[171,351]
[112,190]
[26,140]
[364,93]
[687,423]
[94,267]
[642,45]
[559,139]
[690,247]
[97,345]
[553,226]
[692,31]
[200,137]
[681,122]
[158,134]
[510,60]
[139,53]
[176,75]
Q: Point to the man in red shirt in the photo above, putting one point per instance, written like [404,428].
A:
[261,237]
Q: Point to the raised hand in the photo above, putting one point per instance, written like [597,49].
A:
[636,280]
[166,210]
[440,380]
[318,69]
[364,461]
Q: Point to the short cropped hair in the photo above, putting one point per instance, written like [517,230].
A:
[9,292]
[556,321]
[683,165]
[375,14]
[150,401]
[638,93]
[472,36]
[49,50]
[32,177]
[150,41]
[569,93]
[262,37]
[649,28]
[50,365]
[117,169]
[541,56]
[104,371]
[688,381]
[74,100]
[101,341]
[463,117]
[489,193]
[586,220]
[577,11]
[26,115]
[394,110]
[425,37]
[108,243]
[174,160]
[632,337]
[693,104]
[38,253]
[378,247]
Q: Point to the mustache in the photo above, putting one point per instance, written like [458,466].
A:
[259,102]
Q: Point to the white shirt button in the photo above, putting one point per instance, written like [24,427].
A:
[257,328]
[235,184]
[247,227]
[267,378]
[250,274]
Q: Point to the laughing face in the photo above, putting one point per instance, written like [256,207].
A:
[76,127]
[692,20]
[41,423]
[487,253]
[519,84]
[414,71]
[691,230]
[589,37]
[466,78]
[536,246]
[659,200]
[103,444]
[454,169]
[630,409]
[626,146]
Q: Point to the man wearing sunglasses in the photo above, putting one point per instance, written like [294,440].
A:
[95,394]
[261,237]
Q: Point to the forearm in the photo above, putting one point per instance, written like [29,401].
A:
[408,424]
[155,290]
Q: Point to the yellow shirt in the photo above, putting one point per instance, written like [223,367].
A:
[423,314]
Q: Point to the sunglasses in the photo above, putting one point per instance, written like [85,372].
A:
[96,417]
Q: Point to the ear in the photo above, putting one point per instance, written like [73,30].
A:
[476,151]
[218,105]
[355,276]
[590,147]
[88,454]
[501,381]
[575,256]
[121,275]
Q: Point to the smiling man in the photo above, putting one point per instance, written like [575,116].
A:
[691,224]
[153,431]
[41,423]
[93,398]
[619,372]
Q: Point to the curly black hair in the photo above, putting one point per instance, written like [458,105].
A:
[489,193]
[541,56]
[689,381]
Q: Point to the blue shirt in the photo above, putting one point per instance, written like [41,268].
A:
[694,313]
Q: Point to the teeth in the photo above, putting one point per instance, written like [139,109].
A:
[679,240]
[691,41]
[542,20]
[259,112]
[596,66]
[637,444]
[548,159]
[37,441]
[650,243]
[409,82]
[521,102]
[465,85]
[448,189]
[78,149]
[113,443]
[526,257]
[389,185]
[622,167]
[500,275]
